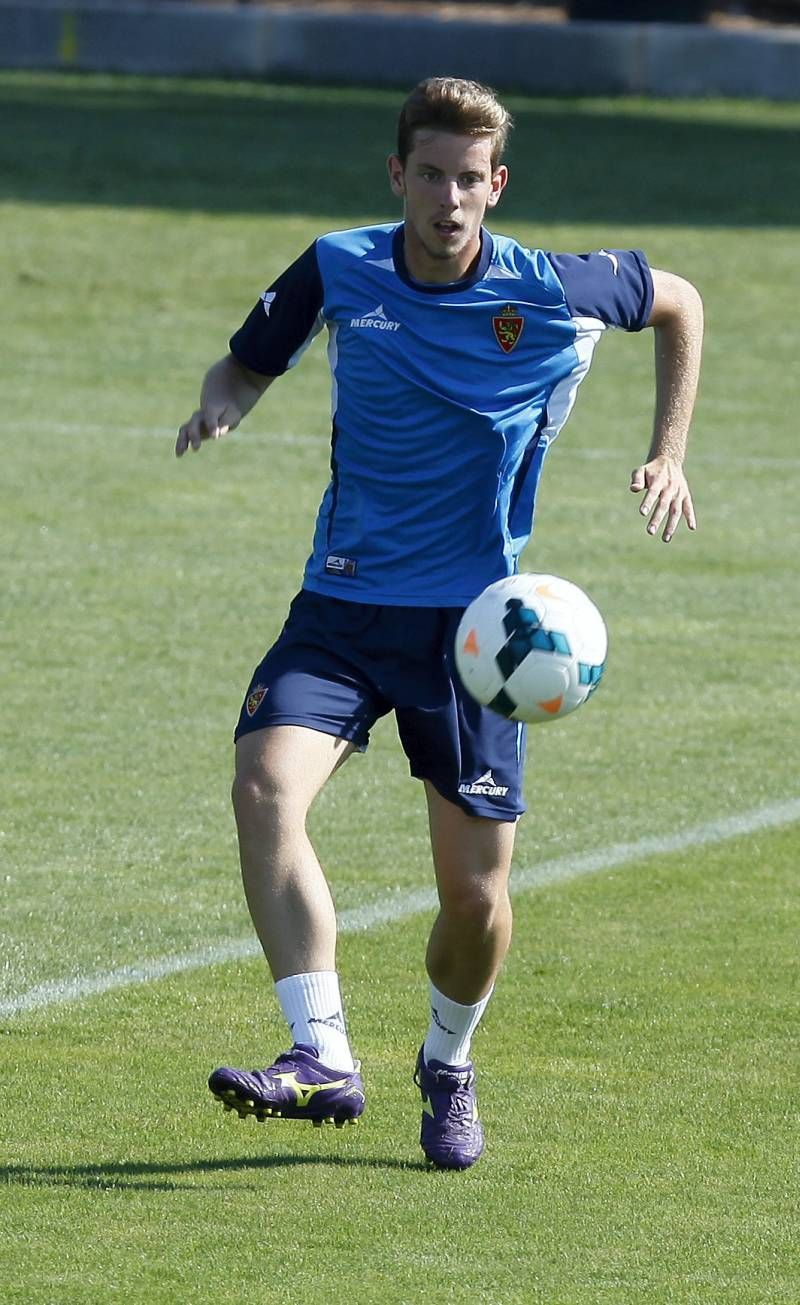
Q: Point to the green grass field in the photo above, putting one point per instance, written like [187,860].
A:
[638,1065]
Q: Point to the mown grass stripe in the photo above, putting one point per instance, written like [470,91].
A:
[302,440]
[399,906]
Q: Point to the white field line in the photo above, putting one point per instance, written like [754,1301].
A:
[400,905]
[321,441]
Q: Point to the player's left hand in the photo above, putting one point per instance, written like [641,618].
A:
[667,495]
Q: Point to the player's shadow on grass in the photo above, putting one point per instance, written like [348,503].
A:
[152,1175]
[250,148]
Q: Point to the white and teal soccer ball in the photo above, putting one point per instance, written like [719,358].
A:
[531,647]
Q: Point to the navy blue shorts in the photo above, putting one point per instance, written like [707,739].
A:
[338,666]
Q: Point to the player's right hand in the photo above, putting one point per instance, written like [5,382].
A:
[203,425]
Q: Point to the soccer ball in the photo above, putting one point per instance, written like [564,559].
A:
[531,647]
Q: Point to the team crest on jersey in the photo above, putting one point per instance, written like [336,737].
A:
[255,699]
[508,326]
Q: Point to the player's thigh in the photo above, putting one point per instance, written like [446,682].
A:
[471,854]
[285,766]
[474,757]
[314,674]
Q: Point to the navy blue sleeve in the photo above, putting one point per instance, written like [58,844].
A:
[614,285]
[284,320]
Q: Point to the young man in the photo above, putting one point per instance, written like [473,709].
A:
[455,357]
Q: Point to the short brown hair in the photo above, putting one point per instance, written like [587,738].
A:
[453,104]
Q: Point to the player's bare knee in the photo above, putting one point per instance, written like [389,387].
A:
[475,907]
[260,793]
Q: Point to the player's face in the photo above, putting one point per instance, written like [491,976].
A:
[447,185]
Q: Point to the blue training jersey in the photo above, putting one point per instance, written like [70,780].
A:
[446,399]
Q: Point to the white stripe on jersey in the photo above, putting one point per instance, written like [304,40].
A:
[319,322]
[587,333]
[333,359]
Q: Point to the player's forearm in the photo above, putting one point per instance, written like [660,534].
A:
[229,387]
[677,321]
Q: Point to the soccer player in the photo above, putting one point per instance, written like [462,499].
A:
[455,357]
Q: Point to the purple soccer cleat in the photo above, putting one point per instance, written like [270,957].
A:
[451,1135]
[297,1086]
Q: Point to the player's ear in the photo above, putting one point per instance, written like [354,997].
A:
[499,179]
[396,175]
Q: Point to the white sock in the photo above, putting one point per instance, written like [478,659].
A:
[451,1028]
[312,1007]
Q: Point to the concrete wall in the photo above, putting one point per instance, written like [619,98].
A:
[399,49]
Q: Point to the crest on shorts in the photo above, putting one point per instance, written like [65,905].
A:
[254,699]
[508,326]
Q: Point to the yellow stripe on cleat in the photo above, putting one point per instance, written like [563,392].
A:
[230,1093]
